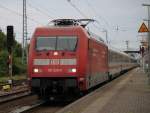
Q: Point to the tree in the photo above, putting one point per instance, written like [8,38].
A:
[2,41]
[18,67]
[17,50]
[3,63]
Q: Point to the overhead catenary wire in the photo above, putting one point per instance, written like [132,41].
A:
[102,18]
[18,14]
[96,14]
[81,13]
[46,10]
[77,9]
[5,19]
[39,10]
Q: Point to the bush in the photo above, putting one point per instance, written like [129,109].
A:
[18,67]
[3,63]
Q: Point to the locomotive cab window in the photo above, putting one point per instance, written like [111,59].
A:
[45,43]
[67,43]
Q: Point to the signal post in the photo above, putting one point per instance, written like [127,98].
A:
[10,41]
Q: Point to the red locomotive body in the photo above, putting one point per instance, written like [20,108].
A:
[66,58]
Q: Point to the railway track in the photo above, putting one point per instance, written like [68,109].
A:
[24,109]
[45,106]
[41,106]
[33,105]
[15,83]
[23,102]
[14,95]
[14,104]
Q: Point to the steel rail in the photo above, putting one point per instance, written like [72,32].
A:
[28,108]
[15,95]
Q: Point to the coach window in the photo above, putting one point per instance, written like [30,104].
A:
[114,57]
[110,56]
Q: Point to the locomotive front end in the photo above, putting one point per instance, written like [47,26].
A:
[54,61]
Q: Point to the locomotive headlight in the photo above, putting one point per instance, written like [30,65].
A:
[73,70]
[55,53]
[36,70]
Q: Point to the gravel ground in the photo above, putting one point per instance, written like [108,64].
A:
[10,106]
[14,89]
[126,94]
[48,107]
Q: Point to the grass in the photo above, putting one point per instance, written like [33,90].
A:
[15,77]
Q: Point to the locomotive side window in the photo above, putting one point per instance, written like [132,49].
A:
[56,43]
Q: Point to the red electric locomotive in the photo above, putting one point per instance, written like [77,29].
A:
[66,58]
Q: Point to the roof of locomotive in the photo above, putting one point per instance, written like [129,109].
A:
[75,23]
[57,29]
[72,22]
[69,24]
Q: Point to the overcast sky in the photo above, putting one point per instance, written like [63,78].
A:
[121,18]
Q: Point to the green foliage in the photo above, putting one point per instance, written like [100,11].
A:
[4,79]
[18,67]
[2,41]
[3,63]
[17,50]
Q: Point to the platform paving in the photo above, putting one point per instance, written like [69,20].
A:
[133,96]
[129,93]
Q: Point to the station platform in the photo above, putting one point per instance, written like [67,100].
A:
[129,93]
